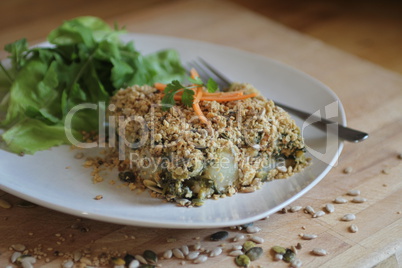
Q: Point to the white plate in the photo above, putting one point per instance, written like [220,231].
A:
[45,179]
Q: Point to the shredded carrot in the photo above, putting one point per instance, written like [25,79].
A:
[202,95]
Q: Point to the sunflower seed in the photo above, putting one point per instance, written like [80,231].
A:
[216,252]
[340,200]
[295,208]
[141,259]
[294,249]
[353,228]
[68,264]
[4,204]
[197,245]
[319,213]
[296,263]
[192,255]
[254,253]
[242,260]
[329,208]
[77,255]
[237,247]
[353,192]
[184,249]
[235,253]
[348,170]
[309,210]
[219,236]
[238,237]
[18,247]
[319,252]
[278,257]
[15,256]
[257,239]
[308,236]
[253,229]
[178,253]
[26,264]
[201,259]
[359,199]
[167,254]
[348,217]
[134,264]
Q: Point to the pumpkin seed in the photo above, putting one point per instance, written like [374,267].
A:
[253,229]
[359,199]
[279,249]
[128,258]
[219,236]
[216,252]
[242,260]
[254,253]
[329,208]
[319,213]
[289,255]
[178,253]
[168,254]
[201,259]
[257,239]
[319,252]
[118,261]
[295,208]
[353,228]
[238,237]
[348,217]
[353,192]
[340,200]
[308,236]
[309,210]
[248,244]
[192,255]
[150,256]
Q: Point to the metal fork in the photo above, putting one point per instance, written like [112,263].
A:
[206,70]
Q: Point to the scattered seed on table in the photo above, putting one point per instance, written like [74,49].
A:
[353,192]
[359,199]
[296,263]
[400,156]
[18,247]
[242,260]
[26,264]
[79,155]
[299,246]
[4,204]
[118,261]
[308,236]
[247,225]
[348,217]
[257,239]
[319,252]
[254,253]
[178,253]
[248,244]
[253,229]
[309,210]
[219,236]
[385,171]
[151,256]
[192,255]
[295,208]
[278,257]
[235,253]
[289,256]
[237,247]
[348,170]
[353,228]
[329,208]
[68,264]
[98,197]
[279,249]
[184,249]
[238,237]
[15,256]
[168,254]
[319,213]
[201,259]
[134,264]
[197,245]
[215,252]
[294,249]
[141,259]
[340,200]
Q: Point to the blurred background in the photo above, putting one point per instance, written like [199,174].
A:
[370,29]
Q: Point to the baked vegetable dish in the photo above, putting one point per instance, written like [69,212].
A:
[224,143]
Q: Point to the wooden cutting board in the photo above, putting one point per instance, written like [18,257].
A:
[372,98]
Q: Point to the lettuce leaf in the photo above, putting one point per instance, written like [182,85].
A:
[86,63]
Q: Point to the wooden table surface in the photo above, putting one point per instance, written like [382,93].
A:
[370,93]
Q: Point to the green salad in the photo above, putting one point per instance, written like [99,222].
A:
[86,62]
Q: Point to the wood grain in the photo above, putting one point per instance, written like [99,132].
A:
[372,99]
